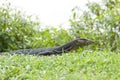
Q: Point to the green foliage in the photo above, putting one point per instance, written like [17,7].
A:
[16,29]
[19,31]
[50,37]
[100,22]
[84,65]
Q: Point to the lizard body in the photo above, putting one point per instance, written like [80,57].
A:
[73,45]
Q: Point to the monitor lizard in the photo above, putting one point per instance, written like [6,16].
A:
[72,45]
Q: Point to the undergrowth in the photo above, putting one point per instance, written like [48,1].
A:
[84,65]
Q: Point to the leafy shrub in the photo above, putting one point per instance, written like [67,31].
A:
[100,22]
[19,31]
[16,28]
[50,37]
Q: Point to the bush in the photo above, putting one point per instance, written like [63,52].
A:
[99,22]
[50,37]
[16,28]
[19,31]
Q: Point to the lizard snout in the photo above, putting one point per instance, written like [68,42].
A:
[90,42]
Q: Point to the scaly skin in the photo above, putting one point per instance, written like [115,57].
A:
[73,45]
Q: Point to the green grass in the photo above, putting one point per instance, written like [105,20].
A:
[86,65]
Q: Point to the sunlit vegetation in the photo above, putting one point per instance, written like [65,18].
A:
[100,61]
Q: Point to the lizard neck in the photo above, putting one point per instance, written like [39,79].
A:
[66,47]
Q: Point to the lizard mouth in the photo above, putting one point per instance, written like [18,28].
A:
[90,42]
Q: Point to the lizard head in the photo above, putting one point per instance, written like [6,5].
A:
[82,42]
